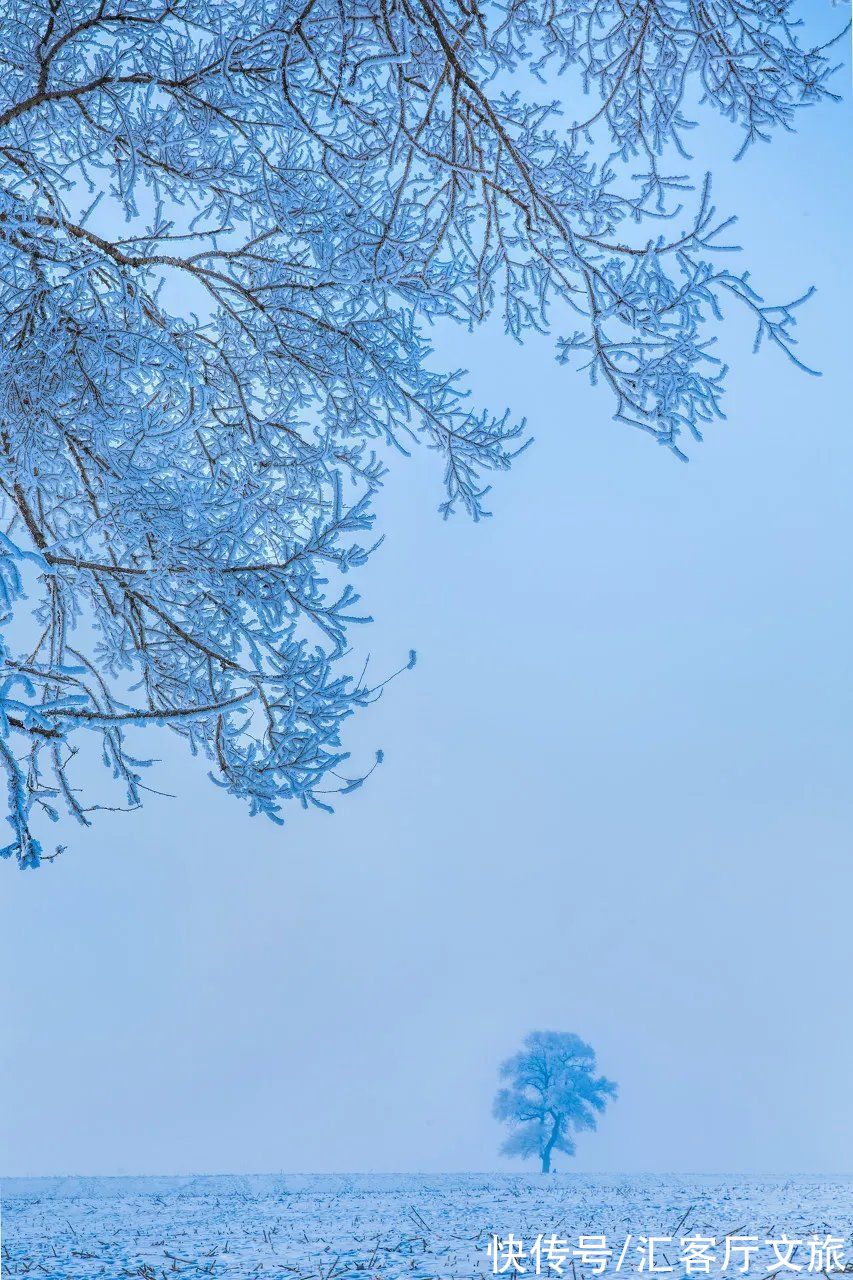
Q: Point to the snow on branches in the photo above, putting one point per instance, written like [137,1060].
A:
[223,230]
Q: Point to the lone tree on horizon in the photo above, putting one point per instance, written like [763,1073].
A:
[553,1090]
[226,227]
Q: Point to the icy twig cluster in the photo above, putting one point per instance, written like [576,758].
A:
[223,230]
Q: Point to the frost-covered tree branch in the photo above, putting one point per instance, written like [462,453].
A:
[223,230]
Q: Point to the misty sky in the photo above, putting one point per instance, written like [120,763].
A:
[616,800]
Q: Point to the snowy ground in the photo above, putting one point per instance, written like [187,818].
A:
[389,1226]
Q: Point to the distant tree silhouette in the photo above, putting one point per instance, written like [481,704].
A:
[553,1089]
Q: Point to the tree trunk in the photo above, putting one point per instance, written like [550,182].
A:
[545,1153]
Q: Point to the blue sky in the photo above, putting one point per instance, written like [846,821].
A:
[616,800]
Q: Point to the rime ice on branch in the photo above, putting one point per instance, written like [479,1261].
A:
[223,229]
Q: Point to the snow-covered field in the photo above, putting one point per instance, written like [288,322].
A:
[415,1226]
